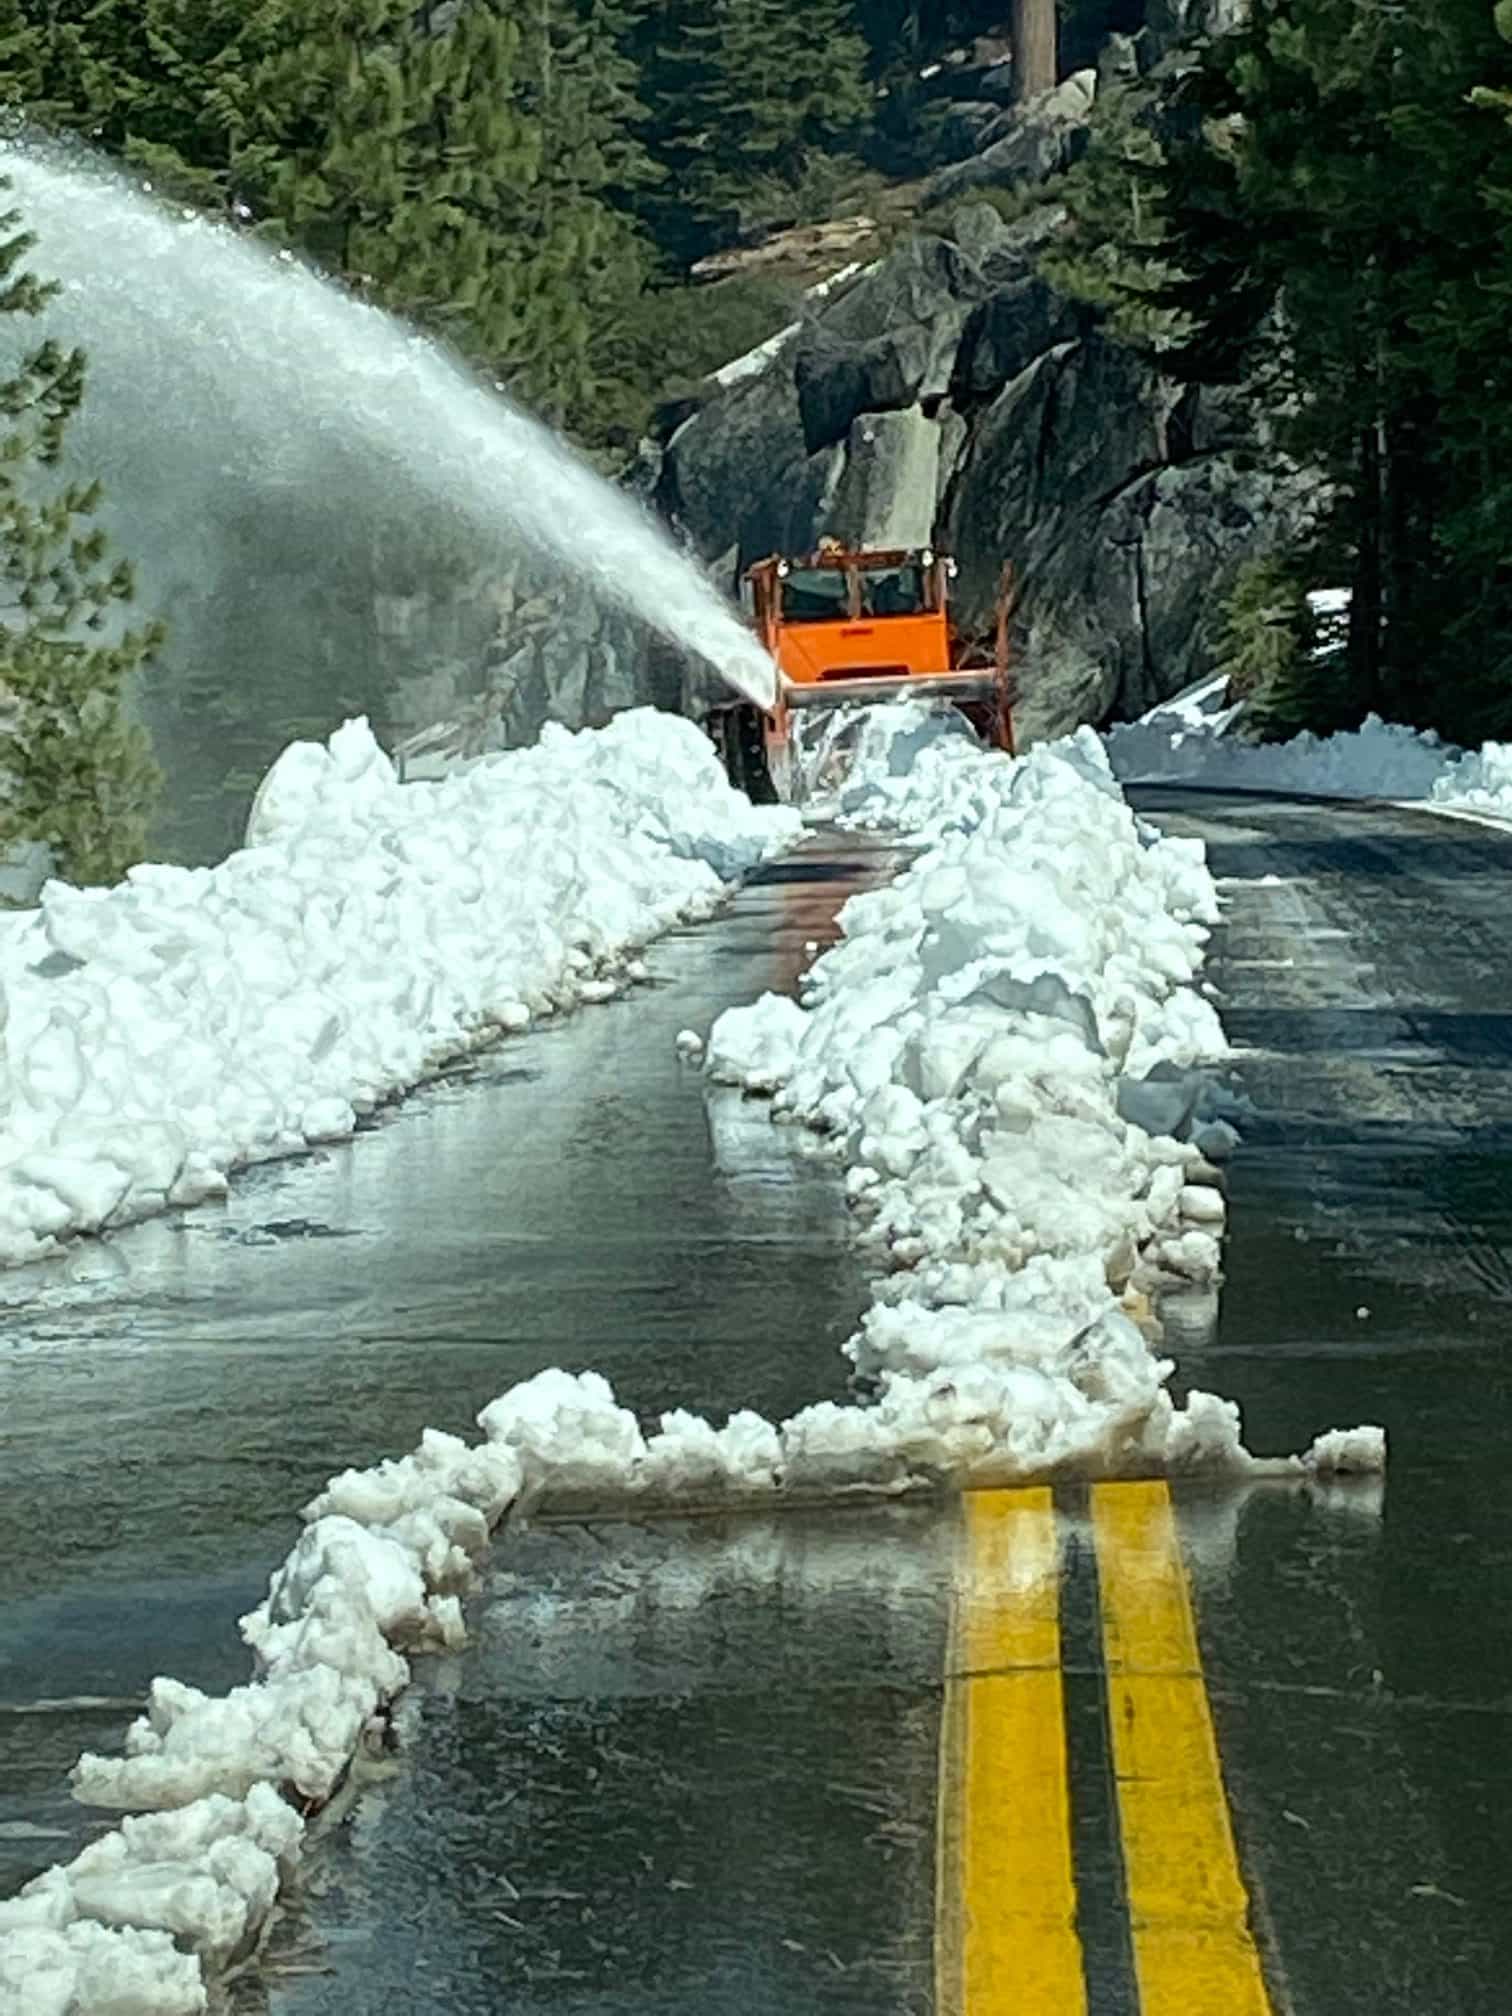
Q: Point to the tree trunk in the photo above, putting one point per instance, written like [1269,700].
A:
[1034,62]
[1365,607]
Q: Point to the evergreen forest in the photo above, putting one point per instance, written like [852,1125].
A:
[531,179]
[1312,207]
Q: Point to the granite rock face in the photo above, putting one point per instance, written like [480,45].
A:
[952,396]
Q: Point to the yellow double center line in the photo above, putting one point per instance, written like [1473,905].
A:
[1007,1938]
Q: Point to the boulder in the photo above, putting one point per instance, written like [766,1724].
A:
[1007,332]
[837,380]
[1169,23]
[955,433]
[1026,144]
[928,286]
[1058,442]
[1122,555]
[989,82]
[986,238]
[739,468]
[962,129]
[1118,62]
[886,493]
[1195,523]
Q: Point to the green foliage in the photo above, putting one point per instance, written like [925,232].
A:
[1266,628]
[685,333]
[1112,254]
[1014,205]
[1332,210]
[73,772]
[747,94]
[464,166]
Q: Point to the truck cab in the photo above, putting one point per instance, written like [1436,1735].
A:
[858,625]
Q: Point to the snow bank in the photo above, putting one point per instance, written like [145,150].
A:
[965,1042]
[159,1034]
[982,1045]
[135,1923]
[145,1919]
[1480,783]
[1380,759]
[1187,741]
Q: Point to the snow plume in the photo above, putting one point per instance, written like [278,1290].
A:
[159,1034]
[1008,1047]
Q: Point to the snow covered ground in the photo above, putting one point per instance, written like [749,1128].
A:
[162,1033]
[1007,1046]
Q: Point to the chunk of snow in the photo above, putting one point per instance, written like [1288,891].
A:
[130,1926]
[756,1046]
[1346,1452]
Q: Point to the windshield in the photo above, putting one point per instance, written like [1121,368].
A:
[893,591]
[815,595]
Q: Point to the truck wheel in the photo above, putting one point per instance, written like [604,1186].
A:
[745,755]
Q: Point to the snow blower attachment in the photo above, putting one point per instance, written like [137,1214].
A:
[852,625]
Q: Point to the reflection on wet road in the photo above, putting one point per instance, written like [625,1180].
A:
[171,1395]
[976,1760]
[1361,1663]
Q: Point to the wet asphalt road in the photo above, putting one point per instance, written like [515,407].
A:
[697,1769]
[1361,1666]
[170,1396]
[694,1766]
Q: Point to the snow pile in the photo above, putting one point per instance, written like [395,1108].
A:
[981,1044]
[163,1032]
[1380,759]
[1187,741]
[377,1573]
[1479,783]
[135,1922]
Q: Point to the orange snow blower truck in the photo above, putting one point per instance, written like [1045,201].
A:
[858,625]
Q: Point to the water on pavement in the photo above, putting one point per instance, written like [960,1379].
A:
[172,1394]
[693,1766]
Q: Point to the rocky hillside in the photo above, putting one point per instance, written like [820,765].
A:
[950,395]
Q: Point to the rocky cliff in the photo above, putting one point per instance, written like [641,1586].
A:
[951,395]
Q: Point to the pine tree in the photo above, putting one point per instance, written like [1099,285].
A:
[456,165]
[1326,200]
[73,772]
[748,95]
